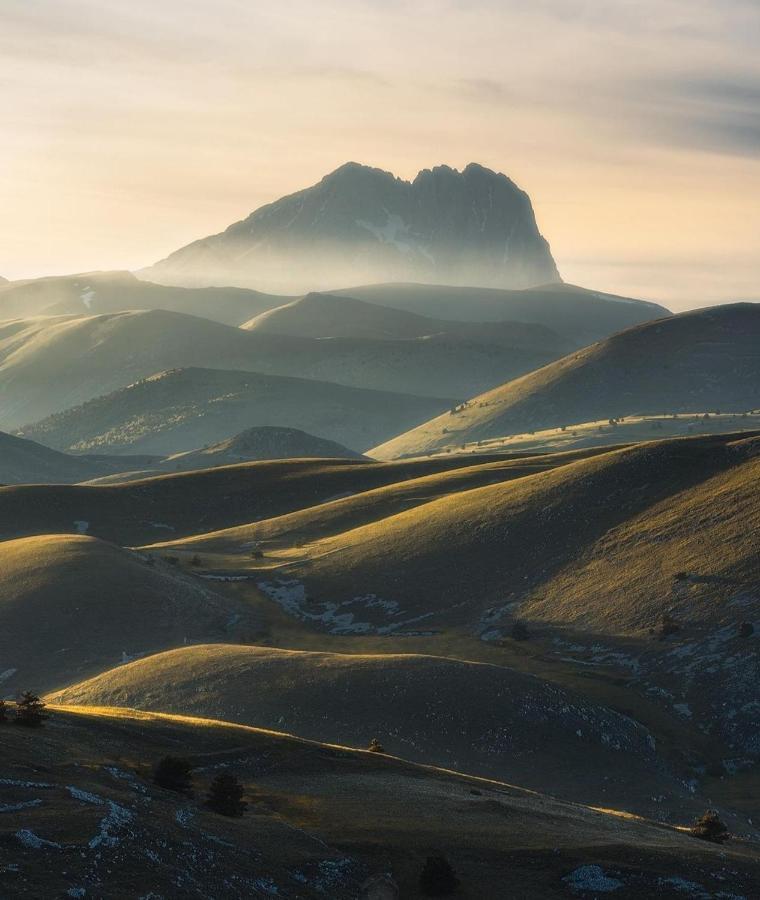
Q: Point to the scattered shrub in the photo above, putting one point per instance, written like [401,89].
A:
[668,626]
[172,560]
[30,711]
[437,878]
[520,631]
[259,554]
[710,827]
[225,796]
[175,774]
[3,711]
[746,629]
[196,560]
[375,746]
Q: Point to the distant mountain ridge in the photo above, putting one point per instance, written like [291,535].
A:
[364,224]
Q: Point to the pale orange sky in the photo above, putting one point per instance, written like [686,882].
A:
[130,129]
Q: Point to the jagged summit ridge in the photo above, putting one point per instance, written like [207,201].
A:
[363,224]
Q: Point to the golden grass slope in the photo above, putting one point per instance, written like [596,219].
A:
[478,718]
[186,503]
[321,820]
[698,361]
[71,606]
[594,544]
[353,509]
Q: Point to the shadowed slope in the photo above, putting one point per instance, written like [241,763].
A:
[26,462]
[73,604]
[321,820]
[139,512]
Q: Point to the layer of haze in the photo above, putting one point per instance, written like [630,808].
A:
[130,129]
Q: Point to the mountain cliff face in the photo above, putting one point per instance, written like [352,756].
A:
[360,224]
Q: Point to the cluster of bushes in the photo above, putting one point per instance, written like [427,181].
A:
[225,794]
[29,712]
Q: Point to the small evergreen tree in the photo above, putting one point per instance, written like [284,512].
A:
[520,631]
[175,774]
[437,878]
[225,796]
[710,827]
[30,710]
[746,629]
[3,711]
[668,626]
[375,746]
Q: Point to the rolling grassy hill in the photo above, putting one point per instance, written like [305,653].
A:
[592,555]
[183,409]
[698,361]
[182,504]
[322,819]
[576,314]
[51,363]
[26,462]
[97,293]
[335,315]
[482,719]
[73,604]
[264,442]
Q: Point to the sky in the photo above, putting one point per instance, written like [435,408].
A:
[131,127]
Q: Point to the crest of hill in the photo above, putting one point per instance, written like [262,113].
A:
[578,315]
[74,604]
[483,719]
[262,442]
[189,408]
[98,293]
[333,315]
[694,362]
[330,815]
[360,223]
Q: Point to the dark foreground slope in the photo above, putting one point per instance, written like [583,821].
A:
[81,815]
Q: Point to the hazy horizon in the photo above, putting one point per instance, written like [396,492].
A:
[633,127]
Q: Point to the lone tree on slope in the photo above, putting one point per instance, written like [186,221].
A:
[175,774]
[437,878]
[710,827]
[225,796]
[30,711]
